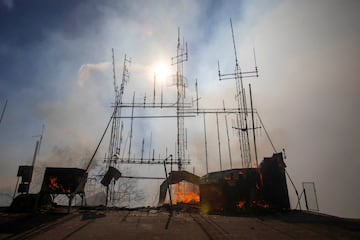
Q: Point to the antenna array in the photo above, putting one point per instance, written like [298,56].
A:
[240,96]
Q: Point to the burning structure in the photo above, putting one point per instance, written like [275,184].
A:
[246,188]
[63,181]
[181,193]
[67,181]
[233,189]
[251,186]
[57,181]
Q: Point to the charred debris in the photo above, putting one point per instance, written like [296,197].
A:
[253,186]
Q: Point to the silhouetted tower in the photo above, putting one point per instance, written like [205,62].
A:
[116,138]
[179,59]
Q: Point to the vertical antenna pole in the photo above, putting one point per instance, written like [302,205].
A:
[131,128]
[16,186]
[121,138]
[161,101]
[113,134]
[233,38]
[197,97]
[114,76]
[41,137]
[37,145]
[219,71]
[228,138]
[171,164]
[154,89]
[256,68]
[3,111]
[253,126]
[206,154]
[306,201]
[35,152]
[150,145]
[178,88]
[218,134]
[181,57]
[240,140]
[142,150]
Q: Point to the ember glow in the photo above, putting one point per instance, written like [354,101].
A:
[241,204]
[54,186]
[253,204]
[259,204]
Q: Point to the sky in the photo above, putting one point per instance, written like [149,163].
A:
[56,70]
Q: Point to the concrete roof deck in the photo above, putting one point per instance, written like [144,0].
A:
[157,223]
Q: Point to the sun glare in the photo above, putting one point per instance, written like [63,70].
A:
[162,71]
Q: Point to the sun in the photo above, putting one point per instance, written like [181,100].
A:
[161,71]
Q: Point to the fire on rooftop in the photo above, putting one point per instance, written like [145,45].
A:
[253,186]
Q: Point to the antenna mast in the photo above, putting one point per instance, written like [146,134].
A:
[115,139]
[179,59]
[242,122]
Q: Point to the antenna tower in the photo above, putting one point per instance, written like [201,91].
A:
[178,60]
[242,120]
[116,138]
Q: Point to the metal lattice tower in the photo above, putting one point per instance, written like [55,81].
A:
[178,60]
[116,135]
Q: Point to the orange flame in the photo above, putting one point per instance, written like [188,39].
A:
[57,187]
[183,194]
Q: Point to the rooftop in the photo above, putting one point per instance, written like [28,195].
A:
[158,223]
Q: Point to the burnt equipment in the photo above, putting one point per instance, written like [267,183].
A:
[247,188]
[68,181]
[112,173]
[25,172]
[63,181]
